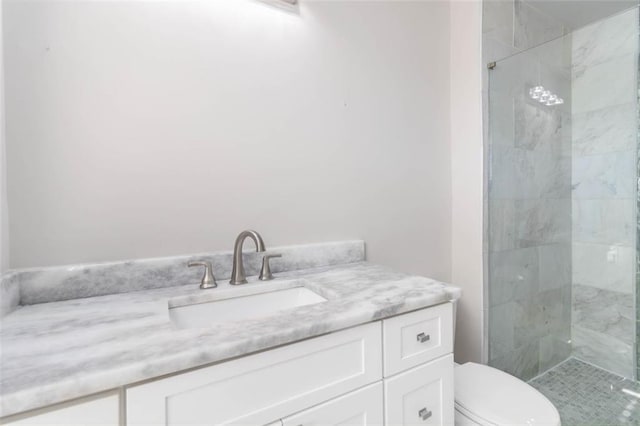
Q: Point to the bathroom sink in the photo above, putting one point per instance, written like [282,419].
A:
[242,307]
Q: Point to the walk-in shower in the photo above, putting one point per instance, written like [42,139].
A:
[562,201]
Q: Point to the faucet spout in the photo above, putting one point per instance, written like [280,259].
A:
[237,273]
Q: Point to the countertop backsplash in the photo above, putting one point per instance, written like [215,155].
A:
[51,284]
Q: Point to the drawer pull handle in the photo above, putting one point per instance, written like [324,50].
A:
[424,414]
[423,337]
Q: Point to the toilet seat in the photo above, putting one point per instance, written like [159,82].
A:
[491,397]
[475,420]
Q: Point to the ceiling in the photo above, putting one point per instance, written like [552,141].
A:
[578,13]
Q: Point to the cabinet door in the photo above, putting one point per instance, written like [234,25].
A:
[421,396]
[360,408]
[100,411]
[260,388]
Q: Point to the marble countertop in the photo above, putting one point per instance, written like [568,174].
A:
[56,351]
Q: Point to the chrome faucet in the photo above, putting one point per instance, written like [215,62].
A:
[237,274]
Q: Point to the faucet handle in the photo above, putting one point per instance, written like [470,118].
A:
[208,280]
[265,272]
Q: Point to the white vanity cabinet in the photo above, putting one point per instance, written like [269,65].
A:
[103,410]
[397,371]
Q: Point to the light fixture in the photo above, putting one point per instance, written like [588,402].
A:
[544,96]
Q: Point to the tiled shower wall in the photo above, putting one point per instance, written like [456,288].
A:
[604,152]
[529,229]
[510,27]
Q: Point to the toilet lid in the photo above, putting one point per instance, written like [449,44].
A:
[495,397]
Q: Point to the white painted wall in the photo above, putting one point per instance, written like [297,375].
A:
[139,129]
[467,183]
[4,208]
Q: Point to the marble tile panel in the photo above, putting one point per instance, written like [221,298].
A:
[495,49]
[72,282]
[602,350]
[523,362]
[512,75]
[605,40]
[605,176]
[554,349]
[528,223]
[603,311]
[501,120]
[540,222]
[501,330]
[605,85]
[525,174]
[532,27]
[611,221]
[513,275]
[554,266]
[497,20]
[556,55]
[604,131]
[501,225]
[546,313]
[536,126]
[608,267]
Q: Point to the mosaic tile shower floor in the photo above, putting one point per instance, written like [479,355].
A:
[586,395]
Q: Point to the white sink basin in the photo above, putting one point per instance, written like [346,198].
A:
[243,307]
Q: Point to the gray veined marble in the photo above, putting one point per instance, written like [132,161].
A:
[605,85]
[603,131]
[513,274]
[604,311]
[610,175]
[604,221]
[76,281]
[605,40]
[540,222]
[529,223]
[602,350]
[9,293]
[62,350]
[604,181]
[608,267]
[497,22]
[537,126]
[554,263]
[532,27]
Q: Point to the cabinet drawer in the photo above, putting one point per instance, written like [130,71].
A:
[263,387]
[362,407]
[421,396]
[417,337]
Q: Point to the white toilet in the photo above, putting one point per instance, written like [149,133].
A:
[487,396]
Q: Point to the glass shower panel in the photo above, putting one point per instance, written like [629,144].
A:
[529,196]
[562,202]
